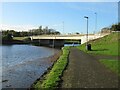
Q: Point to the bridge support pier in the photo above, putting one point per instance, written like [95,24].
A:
[49,42]
[58,43]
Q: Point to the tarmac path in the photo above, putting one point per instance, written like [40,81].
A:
[85,71]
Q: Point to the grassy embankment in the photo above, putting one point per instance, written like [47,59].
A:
[112,64]
[19,38]
[107,45]
[53,78]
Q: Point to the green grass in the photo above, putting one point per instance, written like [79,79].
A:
[52,79]
[107,45]
[111,64]
[19,38]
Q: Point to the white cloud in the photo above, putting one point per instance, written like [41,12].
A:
[57,25]
[17,27]
[26,27]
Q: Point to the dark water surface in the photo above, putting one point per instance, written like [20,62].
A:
[23,64]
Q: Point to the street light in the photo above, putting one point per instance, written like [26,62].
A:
[63,27]
[87,32]
[95,21]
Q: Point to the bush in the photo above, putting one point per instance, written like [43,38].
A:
[7,37]
[27,39]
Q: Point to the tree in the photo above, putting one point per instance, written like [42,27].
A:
[115,27]
[77,33]
[40,30]
[7,37]
[45,30]
[106,30]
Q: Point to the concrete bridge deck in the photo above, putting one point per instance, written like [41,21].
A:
[83,38]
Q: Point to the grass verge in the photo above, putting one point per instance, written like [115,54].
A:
[19,38]
[107,45]
[53,78]
[111,64]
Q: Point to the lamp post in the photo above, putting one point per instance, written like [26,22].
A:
[95,21]
[87,33]
[39,37]
[63,27]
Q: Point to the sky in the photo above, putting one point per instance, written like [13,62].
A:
[23,16]
[119,12]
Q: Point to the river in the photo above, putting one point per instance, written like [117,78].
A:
[23,64]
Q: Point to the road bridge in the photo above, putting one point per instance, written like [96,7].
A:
[58,40]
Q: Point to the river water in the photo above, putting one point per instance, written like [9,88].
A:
[23,64]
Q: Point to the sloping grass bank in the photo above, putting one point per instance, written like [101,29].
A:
[20,38]
[53,78]
[107,45]
[111,64]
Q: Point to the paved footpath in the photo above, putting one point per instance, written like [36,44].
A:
[85,71]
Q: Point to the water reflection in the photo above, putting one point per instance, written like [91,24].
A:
[23,64]
[71,44]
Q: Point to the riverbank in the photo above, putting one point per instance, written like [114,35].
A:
[7,42]
[52,78]
[16,40]
[84,70]
[53,59]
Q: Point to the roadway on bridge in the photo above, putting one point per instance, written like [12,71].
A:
[85,71]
